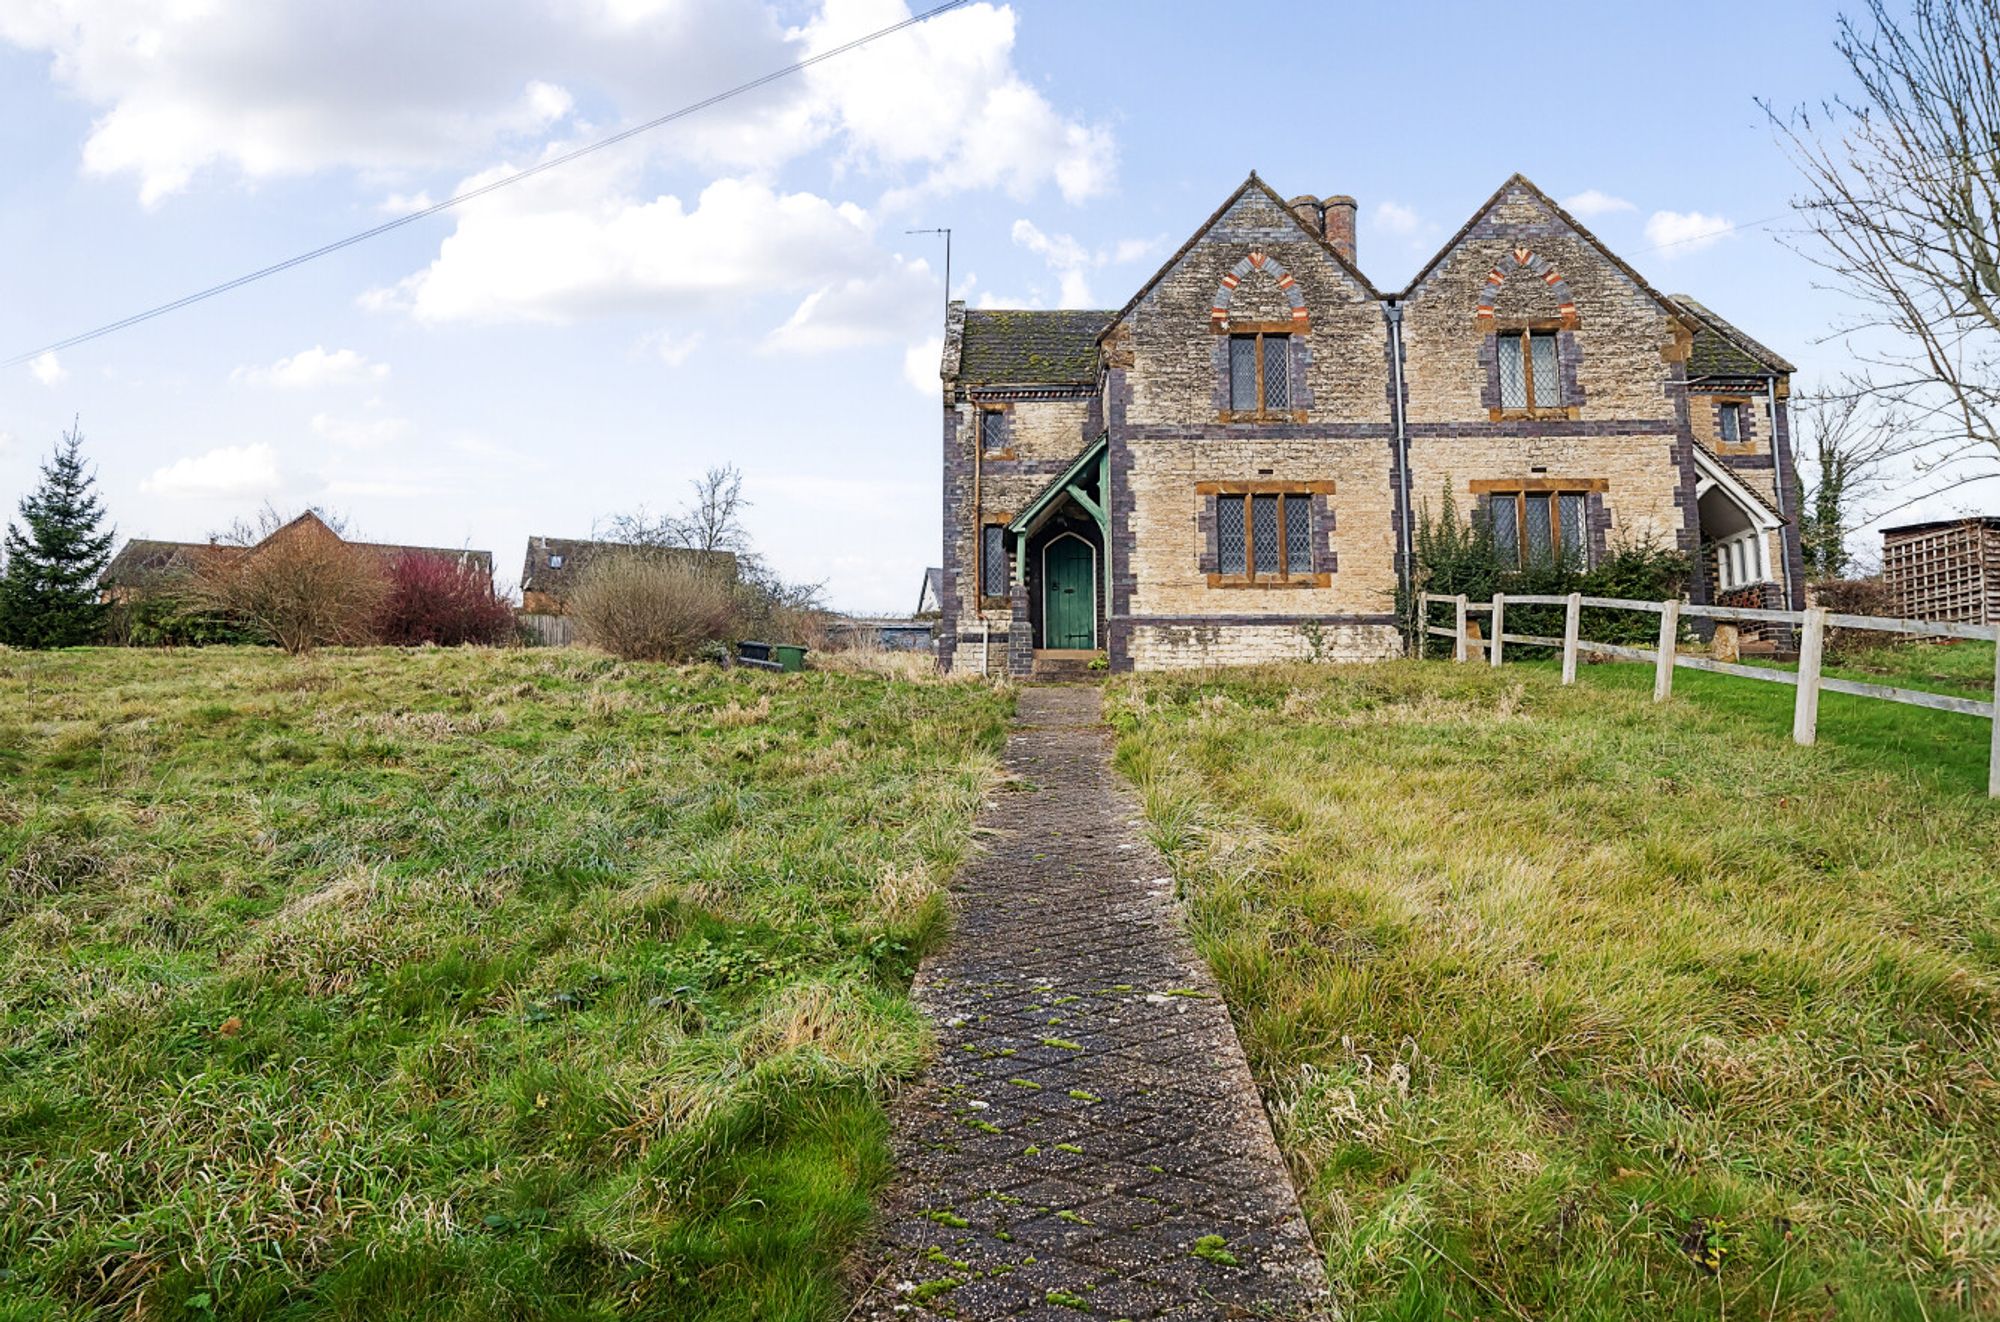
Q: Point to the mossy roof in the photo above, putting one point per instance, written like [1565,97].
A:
[1030,348]
[1719,349]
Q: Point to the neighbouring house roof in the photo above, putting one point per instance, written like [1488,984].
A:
[931,596]
[1932,525]
[1720,349]
[1023,348]
[554,565]
[144,560]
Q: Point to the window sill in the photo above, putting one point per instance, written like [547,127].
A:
[1738,448]
[1270,584]
[996,603]
[1260,415]
[996,454]
[1567,413]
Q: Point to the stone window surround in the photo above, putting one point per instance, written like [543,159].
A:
[1746,423]
[1596,518]
[1005,411]
[1325,563]
[1297,354]
[1569,360]
[987,520]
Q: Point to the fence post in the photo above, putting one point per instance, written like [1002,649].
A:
[1572,620]
[1805,712]
[1663,665]
[1459,644]
[1993,758]
[1499,627]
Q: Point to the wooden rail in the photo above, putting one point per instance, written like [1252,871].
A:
[1666,656]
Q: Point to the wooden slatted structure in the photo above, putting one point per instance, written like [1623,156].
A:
[1945,570]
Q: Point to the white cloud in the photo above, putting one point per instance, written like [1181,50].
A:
[921,364]
[404,204]
[274,88]
[1397,218]
[1591,203]
[48,369]
[1689,231]
[230,470]
[555,250]
[359,433]
[315,368]
[671,349]
[889,303]
[1072,261]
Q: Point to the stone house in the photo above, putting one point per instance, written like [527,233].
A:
[1229,468]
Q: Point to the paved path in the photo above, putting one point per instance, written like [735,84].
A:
[1090,1138]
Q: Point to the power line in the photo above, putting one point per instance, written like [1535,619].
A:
[493,187]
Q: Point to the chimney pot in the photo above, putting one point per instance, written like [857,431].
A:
[1340,210]
[1307,208]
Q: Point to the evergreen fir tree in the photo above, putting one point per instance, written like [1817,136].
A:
[49,592]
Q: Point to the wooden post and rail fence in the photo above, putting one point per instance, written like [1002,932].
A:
[1666,657]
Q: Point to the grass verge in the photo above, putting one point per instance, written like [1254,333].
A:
[1570,1006]
[458,984]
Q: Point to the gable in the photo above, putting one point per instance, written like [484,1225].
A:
[1534,249]
[1253,217]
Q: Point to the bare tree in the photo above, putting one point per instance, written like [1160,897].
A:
[305,589]
[1902,208]
[711,521]
[1849,463]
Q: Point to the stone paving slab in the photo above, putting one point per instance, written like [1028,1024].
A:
[1090,1121]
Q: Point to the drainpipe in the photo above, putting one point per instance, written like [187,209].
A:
[1395,315]
[1778,491]
[979,553]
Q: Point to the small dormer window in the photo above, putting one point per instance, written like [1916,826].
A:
[1729,423]
[555,562]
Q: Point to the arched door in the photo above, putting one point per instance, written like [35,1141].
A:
[1069,593]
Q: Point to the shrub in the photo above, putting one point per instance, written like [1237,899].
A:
[168,610]
[1856,596]
[654,606]
[441,599]
[300,591]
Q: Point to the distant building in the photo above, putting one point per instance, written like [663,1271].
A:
[143,563]
[555,565]
[930,598]
[1947,569]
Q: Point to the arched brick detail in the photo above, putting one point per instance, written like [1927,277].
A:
[1218,314]
[1566,305]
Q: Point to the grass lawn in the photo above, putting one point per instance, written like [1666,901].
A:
[458,984]
[1571,1006]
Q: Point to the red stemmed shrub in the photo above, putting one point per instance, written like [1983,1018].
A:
[444,600]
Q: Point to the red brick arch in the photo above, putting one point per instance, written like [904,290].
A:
[1218,312]
[1547,273]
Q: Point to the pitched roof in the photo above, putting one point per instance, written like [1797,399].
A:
[1720,349]
[1253,182]
[1517,178]
[931,596]
[143,559]
[1021,348]
[555,565]
[1058,484]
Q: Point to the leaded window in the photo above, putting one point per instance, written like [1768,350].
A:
[1260,373]
[1530,370]
[1539,527]
[1264,536]
[1729,424]
[992,430]
[993,575]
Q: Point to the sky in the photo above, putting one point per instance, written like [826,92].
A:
[739,286]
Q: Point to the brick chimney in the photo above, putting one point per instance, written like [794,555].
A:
[1339,211]
[1307,208]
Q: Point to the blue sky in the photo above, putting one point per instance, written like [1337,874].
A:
[738,287]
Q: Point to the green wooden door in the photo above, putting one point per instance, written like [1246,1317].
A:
[1069,594]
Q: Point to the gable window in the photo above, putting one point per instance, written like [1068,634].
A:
[993,577]
[1729,423]
[1537,528]
[993,431]
[555,562]
[1530,375]
[1265,534]
[1260,377]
